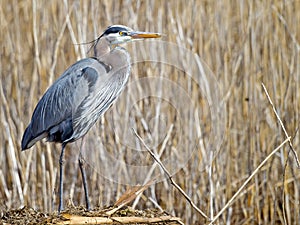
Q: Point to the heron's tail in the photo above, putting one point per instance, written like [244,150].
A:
[29,139]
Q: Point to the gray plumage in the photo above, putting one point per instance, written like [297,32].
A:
[75,101]
[72,105]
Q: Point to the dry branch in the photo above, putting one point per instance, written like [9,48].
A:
[248,180]
[75,219]
[263,162]
[170,177]
[282,126]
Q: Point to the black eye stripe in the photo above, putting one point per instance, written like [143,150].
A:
[115,30]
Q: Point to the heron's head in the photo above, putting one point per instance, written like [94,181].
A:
[118,34]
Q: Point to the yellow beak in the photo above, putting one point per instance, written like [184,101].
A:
[142,35]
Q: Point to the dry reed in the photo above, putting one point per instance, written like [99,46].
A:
[243,43]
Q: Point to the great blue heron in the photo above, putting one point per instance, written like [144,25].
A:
[72,105]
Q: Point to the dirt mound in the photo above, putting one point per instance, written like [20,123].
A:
[78,215]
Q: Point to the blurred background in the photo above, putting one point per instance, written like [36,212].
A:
[212,131]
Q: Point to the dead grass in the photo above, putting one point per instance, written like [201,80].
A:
[78,215]
[244,43]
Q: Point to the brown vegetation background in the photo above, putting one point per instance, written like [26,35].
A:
[244,43]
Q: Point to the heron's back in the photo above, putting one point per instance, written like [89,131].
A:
[72,105]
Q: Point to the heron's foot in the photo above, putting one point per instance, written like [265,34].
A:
[60,208]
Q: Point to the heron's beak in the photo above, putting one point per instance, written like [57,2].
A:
[142,35]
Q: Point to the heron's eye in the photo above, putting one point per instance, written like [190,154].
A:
[123,33]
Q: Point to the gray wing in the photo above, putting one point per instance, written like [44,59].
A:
[53,115]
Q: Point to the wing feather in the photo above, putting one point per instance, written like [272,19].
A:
[54,112]
[72,105]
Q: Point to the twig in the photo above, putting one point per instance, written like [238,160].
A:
[162,149]
[282,126]
[128,197]
[291,147]
[248,179]
[170,177]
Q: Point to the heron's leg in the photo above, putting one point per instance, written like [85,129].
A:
[83,175]
[61,161]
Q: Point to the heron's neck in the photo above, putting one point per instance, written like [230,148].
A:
[113,56]
[101,48]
